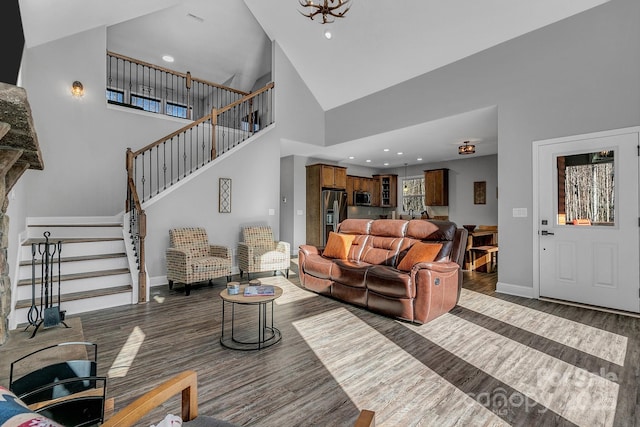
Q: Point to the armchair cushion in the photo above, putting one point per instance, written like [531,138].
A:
[193,241]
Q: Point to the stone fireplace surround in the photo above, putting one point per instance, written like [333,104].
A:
[19,151]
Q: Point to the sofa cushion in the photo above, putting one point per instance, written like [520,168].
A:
[355,226]
[390,282]
[352,273]
[389,227]
[357,246]
[446,231]
[318,266]
[421,230]
[381,250]
[338,245]
[419,252]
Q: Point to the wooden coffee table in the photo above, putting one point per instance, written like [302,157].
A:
[267,335]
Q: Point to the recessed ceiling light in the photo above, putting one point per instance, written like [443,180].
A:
[351,157]
[368,160]
[400,153]
[168,58]
[419,159]
[386,164]
[385,150]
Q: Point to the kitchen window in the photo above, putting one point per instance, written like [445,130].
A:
[413,195]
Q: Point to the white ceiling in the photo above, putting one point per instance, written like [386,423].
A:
[433,141]
[378,44]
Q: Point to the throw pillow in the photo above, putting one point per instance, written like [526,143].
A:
[338,245]
[419,252]
[14,413]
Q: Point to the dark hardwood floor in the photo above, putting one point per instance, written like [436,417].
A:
[494,360]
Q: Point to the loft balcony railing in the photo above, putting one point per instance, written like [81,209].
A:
[165,162]
[137,84]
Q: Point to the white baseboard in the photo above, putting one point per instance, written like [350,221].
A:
[158,281]
[162,280]
[517,290]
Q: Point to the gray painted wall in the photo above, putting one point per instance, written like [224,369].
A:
[254,191]
[576,76]
[83,141]
[298,118]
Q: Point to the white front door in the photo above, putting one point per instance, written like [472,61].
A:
[588,223]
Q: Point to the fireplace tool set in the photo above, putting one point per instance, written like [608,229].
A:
[44,312]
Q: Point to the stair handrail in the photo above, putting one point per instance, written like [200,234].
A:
[138,232]
[133,205]
[214,113]
[246,98]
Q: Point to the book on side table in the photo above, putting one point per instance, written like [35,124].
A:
[256,291]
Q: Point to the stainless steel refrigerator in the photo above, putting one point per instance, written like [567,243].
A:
[334,211]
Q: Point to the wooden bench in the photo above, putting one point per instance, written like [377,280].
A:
[484,255]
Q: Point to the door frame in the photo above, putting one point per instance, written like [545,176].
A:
[535,214]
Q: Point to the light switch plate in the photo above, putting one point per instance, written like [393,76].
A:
[272,212]
[520,212]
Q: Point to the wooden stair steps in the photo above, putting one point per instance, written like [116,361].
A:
[79,258]
[78,296]
[76,276]
[29,241]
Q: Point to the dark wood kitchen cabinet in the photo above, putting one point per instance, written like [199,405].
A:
[436,186]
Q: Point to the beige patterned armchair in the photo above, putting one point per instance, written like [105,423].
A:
[258,252]
[191,259]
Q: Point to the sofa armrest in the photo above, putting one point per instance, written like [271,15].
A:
[283,247]
[437,289]
[440,267]
[309,250]
[185,383]
[177,258]
[220,251]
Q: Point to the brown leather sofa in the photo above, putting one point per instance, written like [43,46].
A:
[369,277]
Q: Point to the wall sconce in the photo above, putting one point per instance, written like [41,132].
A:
[77,89]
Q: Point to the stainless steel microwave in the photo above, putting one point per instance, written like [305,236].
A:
[362,198]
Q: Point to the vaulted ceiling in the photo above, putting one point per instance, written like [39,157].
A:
[377,45]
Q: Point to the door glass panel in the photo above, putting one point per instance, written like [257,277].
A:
[586,189]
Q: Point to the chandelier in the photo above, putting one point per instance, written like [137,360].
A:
[466,148]
[329,9]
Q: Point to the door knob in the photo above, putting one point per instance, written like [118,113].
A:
[546,233]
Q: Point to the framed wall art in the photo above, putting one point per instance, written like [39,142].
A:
[224,204]
[479,192]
